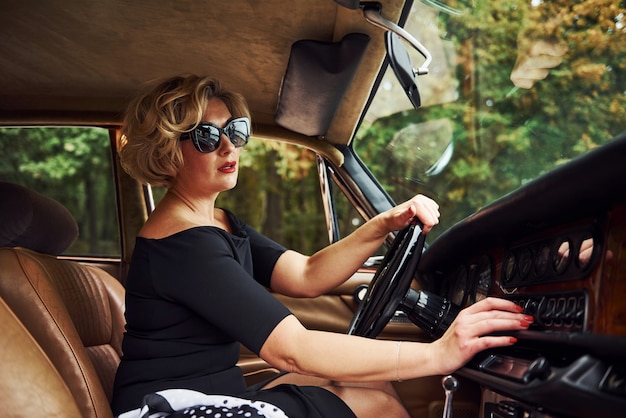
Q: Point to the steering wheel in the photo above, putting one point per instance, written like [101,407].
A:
[390,284]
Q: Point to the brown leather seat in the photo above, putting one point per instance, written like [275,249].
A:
[73,311]
[30,385]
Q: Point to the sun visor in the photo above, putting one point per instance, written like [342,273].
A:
[350,4]
[317,77]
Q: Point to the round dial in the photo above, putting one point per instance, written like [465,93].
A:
[460,286]
[508,267]
[485,279]
[542,260]
[525,261]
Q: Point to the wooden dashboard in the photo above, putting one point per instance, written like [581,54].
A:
[557,247]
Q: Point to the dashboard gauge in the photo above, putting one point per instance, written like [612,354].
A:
[585,252]
[508,267]
[524,263]
[561,256]
[485,279]
[542,260]
[460,287]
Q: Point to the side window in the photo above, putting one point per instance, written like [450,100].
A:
[73,166]
[348,219]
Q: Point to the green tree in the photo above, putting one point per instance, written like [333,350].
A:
[72,166]
[505,136]
[278,194]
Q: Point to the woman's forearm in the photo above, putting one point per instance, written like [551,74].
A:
[345,358]
[298,275]
[350,358]
[333,265]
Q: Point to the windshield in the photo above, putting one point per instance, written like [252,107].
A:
[515,89]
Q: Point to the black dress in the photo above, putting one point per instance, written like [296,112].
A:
[191,299]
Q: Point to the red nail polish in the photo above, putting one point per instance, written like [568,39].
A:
[529,318]
[524,323]
[512,340]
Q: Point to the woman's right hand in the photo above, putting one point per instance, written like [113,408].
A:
[421,207]
[471,332]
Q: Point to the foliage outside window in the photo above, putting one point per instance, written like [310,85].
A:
[489,123]
[73,167]
[278,191]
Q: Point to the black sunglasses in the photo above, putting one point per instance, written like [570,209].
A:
[206,136]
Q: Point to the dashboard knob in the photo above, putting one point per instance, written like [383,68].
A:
[530,308]
[538,369]
[542,312]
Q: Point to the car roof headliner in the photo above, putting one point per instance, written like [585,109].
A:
[80,61]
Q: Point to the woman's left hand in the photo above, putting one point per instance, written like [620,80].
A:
[420,207]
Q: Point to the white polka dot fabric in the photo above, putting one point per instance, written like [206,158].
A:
[184,403]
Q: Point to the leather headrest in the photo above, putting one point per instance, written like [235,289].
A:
[31,220]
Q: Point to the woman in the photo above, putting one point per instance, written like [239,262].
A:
[197,282]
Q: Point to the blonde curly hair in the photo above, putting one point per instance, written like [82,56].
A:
[150,147]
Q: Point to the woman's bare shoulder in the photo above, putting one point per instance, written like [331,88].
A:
[164,223]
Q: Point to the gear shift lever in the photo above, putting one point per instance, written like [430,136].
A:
[450,384]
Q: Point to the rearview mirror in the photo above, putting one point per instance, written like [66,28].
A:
[396,52]
[371,11]
[402,67]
